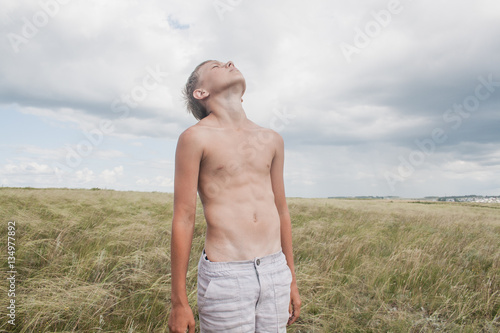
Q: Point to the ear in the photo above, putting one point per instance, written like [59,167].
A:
[200,94]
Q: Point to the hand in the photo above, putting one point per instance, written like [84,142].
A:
[181,319]
[295,303]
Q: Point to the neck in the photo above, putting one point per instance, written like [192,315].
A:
[226,109]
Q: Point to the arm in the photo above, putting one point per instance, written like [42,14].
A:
[285,222]
[187,162]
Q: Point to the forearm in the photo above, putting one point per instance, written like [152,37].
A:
[286,245]
[286,240]
[180,249]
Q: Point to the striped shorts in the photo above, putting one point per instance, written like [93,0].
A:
[244,296]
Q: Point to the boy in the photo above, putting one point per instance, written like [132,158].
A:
[246,278]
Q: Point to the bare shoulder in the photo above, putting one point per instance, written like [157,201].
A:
[269,137]
[192,137]
[277,139]
[194,132]
[275,136]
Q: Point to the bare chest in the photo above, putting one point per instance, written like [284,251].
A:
[238,155]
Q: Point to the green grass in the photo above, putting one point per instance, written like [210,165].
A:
[98,261]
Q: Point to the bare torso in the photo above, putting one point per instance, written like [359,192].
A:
[235,189]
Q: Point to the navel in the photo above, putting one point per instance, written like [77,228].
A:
[255,217]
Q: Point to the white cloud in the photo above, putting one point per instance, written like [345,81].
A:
[351,120]
[142,181]
[31,168]
[159,181]
[26,174]
[164,181]
[84,176]
[111,176]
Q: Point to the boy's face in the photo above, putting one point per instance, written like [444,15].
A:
[216,76]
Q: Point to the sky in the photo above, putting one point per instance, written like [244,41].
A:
[372,98]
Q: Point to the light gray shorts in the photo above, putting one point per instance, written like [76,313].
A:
[244,296]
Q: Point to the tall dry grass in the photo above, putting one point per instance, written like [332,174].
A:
[98,261]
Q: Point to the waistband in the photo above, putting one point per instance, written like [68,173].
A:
[268,261]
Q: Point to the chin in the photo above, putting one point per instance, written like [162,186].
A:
[241,81]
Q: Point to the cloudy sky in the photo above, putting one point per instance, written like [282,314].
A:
[380,98]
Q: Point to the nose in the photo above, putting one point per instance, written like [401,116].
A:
[229,64]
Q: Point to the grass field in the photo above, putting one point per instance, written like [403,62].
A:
[98,261]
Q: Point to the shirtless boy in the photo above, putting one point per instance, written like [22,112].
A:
[246,277]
